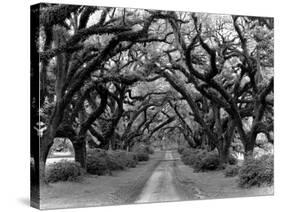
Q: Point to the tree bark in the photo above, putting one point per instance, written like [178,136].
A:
[81,153]
[249,149]
[228,138]
[45,144]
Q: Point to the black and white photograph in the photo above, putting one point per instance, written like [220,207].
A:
[132,106]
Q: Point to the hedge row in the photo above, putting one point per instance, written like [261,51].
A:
[63,171]
[202,160]
[253,172]
[99,162]
[256,172]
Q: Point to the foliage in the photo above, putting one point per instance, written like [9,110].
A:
[115,162]
[231,170]
[190,156]
[232,160]
[142,151]
[256,172]
[143,148]
[149,150]
[101,162]
[121,159]
[142,156]
[181,148]
[200,160]
[97,162]
[207,162]
[132,159]
[46,110]
[63,171]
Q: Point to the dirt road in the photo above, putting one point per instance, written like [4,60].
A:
[171,180]
[160,186]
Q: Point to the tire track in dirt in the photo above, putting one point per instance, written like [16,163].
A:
[160,186]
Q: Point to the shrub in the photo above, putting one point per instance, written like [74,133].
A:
[231,171]
[97,162]
[206,161]
[149,150]
[101,162]
[121,159]
[115,161]
[142,152]
[200,160]
[97,165]
[232,160]
[143,148]
[96,151]
[132,160]
[63,171]
[132,156]
[189,156]
[181,148]
[257,172]
[142,156]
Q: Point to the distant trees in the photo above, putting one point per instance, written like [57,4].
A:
[119,76]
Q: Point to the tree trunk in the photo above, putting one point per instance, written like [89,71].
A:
[110,144]
[46,143]
[226,142]
[81,153]
[249,150]
[224,154]
[250,144]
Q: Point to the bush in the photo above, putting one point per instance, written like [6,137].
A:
[101,162]
[132,160]
[121,159]
[115,162]
[189,156]
[142,156]
[256,172]
[206,161]
[149,150]
[142,152]
[63,171]
[232,160]
[202,160]
[181,148]
[97,162]
[143,148]
[231,171]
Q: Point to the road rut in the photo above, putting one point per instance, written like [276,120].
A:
[160,186]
